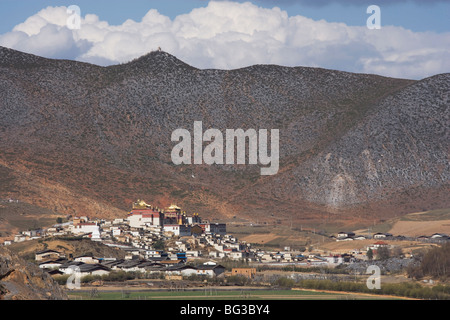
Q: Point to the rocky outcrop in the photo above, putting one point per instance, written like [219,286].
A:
[20,280]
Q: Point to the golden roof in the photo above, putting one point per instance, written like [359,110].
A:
[140,204]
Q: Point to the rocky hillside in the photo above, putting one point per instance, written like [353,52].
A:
[20,280]
[82,139]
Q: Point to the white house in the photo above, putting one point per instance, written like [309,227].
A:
[334,260]
[174,228]
[234,255]
[116,231]
[140,219]
[182,270]
[438,236]
[86,227]
[86,259]
[177,230]
[192,253]
[344,239]
[50,264]
[46,255]
[316,260]
[378,244]
[210,270]
[93,270]
[95,235]
[343,234]
[20,238]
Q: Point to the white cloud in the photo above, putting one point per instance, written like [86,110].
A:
[230,35]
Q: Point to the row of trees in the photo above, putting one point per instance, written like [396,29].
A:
[404,289]
[434,263]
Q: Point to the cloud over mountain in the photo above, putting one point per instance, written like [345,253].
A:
[228,35]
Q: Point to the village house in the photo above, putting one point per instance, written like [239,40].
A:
[85,228]
[438,236]
[88,259]
[234,255]
[177,230]
[379,244]
[169,263]
[33,234]
[381,235]
[93,270]
[69,266]
[246,272]
[336,259]
[343,234]
[184,270]
[52,264]
[344,239]
[317,260]
[20,237]
[46,255]
[210,270]
[127,266]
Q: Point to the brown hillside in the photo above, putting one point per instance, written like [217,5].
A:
[81,139]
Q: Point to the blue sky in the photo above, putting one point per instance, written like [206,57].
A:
[413,42]
[415,15]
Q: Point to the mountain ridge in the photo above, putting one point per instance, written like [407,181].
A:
[103,134]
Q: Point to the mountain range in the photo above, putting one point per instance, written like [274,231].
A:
[81,139]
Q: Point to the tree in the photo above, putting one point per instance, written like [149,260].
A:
[159,245]
[59,220]
[383,253]
[436,262]
[370,254]
[397,252]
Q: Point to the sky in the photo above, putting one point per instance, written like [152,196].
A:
[413,40]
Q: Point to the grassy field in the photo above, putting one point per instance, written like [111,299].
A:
[212,294]
[423,223]
[433,215]
[272,237]
[22,216]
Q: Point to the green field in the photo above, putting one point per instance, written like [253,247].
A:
[212,294]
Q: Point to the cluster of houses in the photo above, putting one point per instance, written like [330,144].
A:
[350,236]
[143,227]
[86,265]
[163,241]
[169,265]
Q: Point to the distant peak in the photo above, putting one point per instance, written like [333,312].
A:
[158,58]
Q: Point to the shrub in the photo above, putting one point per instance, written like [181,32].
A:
[285,282]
